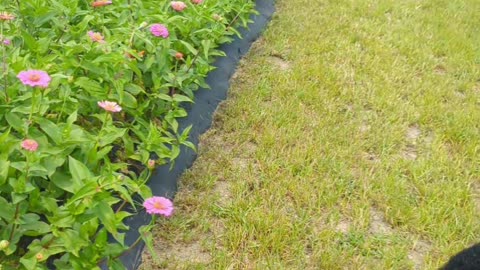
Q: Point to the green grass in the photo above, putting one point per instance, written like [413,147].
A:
[359,150]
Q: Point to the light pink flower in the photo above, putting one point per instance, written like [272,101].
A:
[101,3]
[159,206]
[197,2]
[96,37]
[7,42]
[29,145]
[34,78]
[178,5]
[5,16]
[109,106]
[159,30]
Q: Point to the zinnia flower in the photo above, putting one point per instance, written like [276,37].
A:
[196,2]
[159,206]
[178,5]
[96,37]
[159,30]
[101,3]
[5,16]
[34,78]
[29,145]
[109,106]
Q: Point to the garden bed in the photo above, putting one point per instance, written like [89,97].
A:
[164,180]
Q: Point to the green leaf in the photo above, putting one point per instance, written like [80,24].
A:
[52,130]
[65,182]
[189,47]
[116,265]
[129,100]
[145,233]
[91,86]
[35,228]
[112,134]
[16,122]
[73,241]
[29,263]
[88,189]
[105,213]
[134,89]
[4,168]
[29,41]
[51,163]
[181,98]
[206,47]
[78,170]
[7,210]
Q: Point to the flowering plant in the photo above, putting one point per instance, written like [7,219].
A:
[90,94]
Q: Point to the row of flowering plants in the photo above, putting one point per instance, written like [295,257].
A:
[90,94]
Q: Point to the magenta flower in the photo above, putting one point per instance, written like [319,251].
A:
[96,37]
[29,145]
[178,5]
[159,30]
[34,78]
[7,42]
[197,2]
[109,106]
[159,206]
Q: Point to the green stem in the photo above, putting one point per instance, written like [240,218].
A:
[32,107]
[4,60]
[14,226]
[63,105]
[101,129]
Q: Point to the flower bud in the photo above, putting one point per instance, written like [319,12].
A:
[4,244]
[39,256]
[143,24]
[179,56]
[151,164]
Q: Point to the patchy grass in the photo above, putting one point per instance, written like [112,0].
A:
[350,140]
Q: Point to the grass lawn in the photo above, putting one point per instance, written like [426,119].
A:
[350,140]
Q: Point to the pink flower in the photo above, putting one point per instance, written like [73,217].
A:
[5,16]
[7,42]
[159,206]
[34,78]
[159,30]
[101,3]
[196,2]
[109,106]
[178,5]
[96,37]
[30,145]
